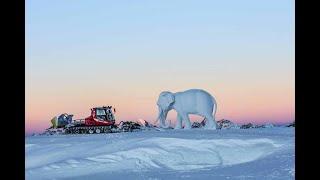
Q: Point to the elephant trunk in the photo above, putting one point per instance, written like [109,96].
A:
[162,117]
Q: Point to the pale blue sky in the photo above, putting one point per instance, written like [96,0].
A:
[77,30]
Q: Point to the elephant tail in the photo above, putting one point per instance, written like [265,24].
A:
[214,109]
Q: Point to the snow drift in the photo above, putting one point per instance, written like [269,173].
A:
[181,154]
[74,156]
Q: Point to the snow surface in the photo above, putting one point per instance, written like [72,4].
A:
[266,153]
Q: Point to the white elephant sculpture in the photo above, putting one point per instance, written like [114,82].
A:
[193,101]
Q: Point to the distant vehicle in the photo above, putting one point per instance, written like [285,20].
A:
[101,120]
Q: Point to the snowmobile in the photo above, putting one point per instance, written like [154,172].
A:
[129,126]
[199,124]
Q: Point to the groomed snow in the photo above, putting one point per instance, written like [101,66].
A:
[171,154]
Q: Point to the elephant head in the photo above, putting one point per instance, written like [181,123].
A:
[165,102]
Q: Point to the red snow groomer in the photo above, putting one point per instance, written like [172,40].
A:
[101,120]
[100,116]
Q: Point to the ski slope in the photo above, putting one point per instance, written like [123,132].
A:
[264,153]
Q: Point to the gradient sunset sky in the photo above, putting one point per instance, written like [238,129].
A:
[81,54]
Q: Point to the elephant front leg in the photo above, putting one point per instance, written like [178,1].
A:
[179,122]
[187,123]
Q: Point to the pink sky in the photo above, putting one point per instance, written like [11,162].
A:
[257,104]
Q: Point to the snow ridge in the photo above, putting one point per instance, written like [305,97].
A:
[168,151]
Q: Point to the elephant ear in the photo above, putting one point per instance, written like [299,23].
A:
[168,96]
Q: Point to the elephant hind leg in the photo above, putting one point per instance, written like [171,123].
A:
[210,122]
